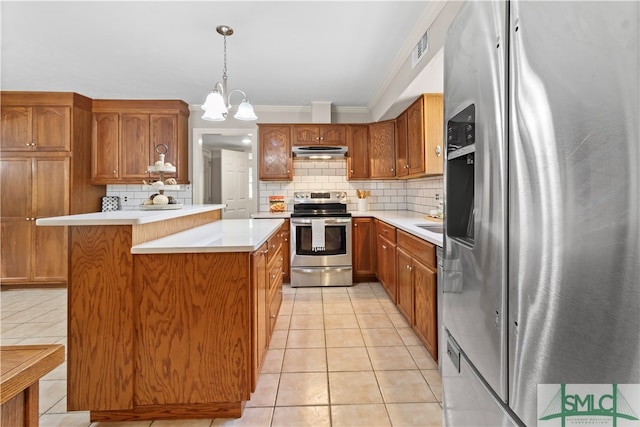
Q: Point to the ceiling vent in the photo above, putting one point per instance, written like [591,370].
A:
[420,51]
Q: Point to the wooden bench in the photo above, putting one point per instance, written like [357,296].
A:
[22,367]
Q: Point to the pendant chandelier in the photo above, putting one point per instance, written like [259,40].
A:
[218,102]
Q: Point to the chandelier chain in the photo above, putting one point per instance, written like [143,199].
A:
[224,70]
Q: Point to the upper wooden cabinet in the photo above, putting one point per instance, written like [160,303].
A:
[402,155]
[419,149]
[274,153]
[382,149]
[37,121]
[128,136]
[319,134]
[358,152]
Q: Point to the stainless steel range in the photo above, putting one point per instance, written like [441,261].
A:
[320,240]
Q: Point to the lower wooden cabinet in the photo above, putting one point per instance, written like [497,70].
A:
[386,257]
[31,188]
[285,231]
[425,323]
[416,280]
[267,274]
[260,326]
[364,249]
[404,281]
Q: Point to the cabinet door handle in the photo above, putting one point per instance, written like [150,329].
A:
[438,150]
[115,172]
[273,316]
[384,247]
[355,225]
[266,251]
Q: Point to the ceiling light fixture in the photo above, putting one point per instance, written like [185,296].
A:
[218,102]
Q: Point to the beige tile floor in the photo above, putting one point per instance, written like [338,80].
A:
[338,357]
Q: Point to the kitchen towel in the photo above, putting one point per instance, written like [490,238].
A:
[317,235]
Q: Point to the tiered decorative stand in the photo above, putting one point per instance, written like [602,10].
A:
[160,189]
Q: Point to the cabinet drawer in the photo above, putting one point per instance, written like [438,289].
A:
[385,230]
[419,249]
[275,244]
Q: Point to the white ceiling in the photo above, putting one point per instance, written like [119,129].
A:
[282,53]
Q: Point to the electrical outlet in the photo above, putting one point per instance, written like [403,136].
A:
[437,196]
[125,199]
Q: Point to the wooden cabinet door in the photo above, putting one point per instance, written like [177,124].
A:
[16,224]
[40,128]
[364,248]
[415,137]
[305,135]
[51,198]
[16,129]
[402,155]
[405,284]
[286,250]
[382,150]
[164,132]
[134,146]
[259,310]
[386,254]
[275,153]
[333,134]
[52,128]
[425,308]
[358,157]
[105,143]
[433,135]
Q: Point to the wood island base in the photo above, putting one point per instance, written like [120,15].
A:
[168,412]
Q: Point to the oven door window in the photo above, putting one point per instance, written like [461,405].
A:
[335,240]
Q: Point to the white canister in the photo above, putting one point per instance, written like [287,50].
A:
[363,206]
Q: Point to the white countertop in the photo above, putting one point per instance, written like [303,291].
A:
[407,221]
[404,220]
[226,235]
[127,217]
[271,215]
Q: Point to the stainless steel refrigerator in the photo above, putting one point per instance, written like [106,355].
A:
[541,260]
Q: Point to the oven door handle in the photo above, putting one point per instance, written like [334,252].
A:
[327,221]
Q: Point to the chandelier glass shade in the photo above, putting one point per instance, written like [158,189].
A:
[216,106]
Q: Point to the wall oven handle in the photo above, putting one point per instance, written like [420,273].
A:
[327,221]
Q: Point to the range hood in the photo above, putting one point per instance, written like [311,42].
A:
[319,152]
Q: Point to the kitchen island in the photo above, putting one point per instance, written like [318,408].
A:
[162,312]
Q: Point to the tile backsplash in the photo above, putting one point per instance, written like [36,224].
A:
[418,195]
[132,195]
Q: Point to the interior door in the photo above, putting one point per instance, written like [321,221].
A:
[234,182]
